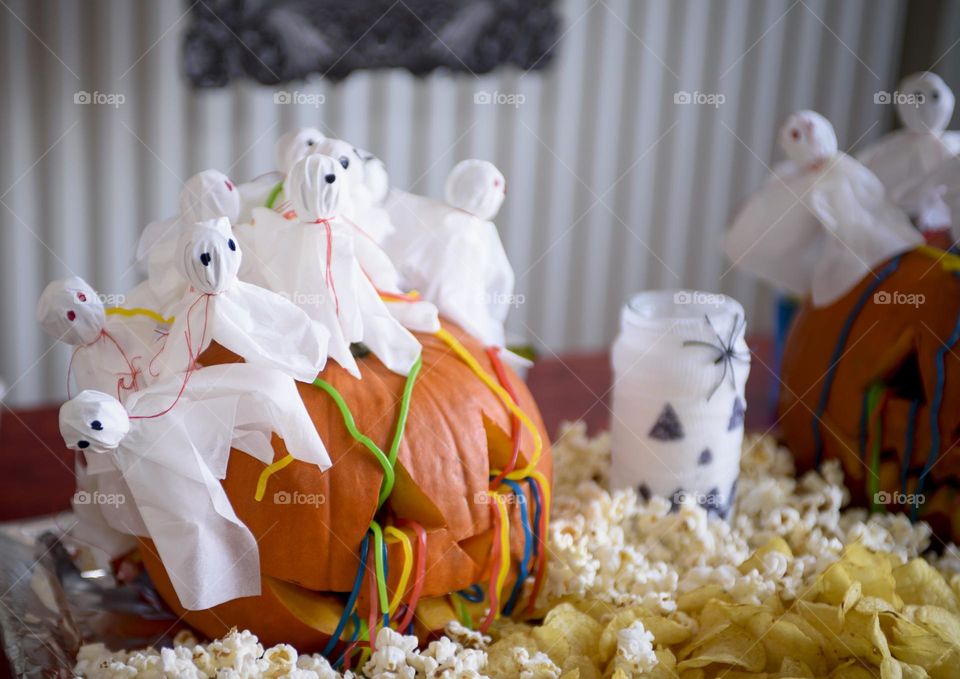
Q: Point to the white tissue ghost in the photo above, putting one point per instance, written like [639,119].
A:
[375,177]
[311,259]
[171,444]
[363,210]
[258,325]
[296,145]
[110,352]
[900,158]
[452,254]
[206,195]
[820,224]
[267,189]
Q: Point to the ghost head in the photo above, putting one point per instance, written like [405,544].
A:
[71,311]
[93,422]
[208,256]
[347,156]
[925,103]
[808,139]
[297,145]
[477,187]
[317,188]
[209,195]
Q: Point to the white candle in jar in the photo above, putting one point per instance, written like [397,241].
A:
[680,364]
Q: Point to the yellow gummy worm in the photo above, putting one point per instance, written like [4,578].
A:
[139,311]
[394,534]
[495,386]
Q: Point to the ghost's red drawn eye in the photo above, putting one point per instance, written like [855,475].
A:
[795,133]
[71,315]
[229,185]
[82,297]
[496,182]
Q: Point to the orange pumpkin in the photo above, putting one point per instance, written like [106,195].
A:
[457,431]
[874,380]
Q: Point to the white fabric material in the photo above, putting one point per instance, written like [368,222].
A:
[255,193]
[311,260]
[256,324]
[653,367]
[375,177]
[206,195]
[173,463]
[362,209]
[934,200]
[296,145]
[898,159]
[110,351]
[71,311]
[476,187]
[454,259]
[821,227]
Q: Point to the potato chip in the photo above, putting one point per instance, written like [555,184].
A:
[565,632]
[734,646]
[853,669]
[858,564]
[919,583]
[873,604]
[785,642]
[850,598]
[695,600]
[580,667]
[940,621]
[795,669]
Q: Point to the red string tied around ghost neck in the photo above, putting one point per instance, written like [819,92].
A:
[328,278]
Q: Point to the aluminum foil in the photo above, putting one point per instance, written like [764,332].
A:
[49,608]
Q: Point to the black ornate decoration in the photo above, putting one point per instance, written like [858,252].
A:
[275,42]
[726,353]
[668,426]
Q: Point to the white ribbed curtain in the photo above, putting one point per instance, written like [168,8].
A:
[613,186]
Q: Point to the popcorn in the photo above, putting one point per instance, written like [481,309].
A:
[631,586]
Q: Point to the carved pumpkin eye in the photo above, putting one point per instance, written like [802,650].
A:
[82,297]
[345,162]
[71,315]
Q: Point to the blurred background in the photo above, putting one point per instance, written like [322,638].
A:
[629,131]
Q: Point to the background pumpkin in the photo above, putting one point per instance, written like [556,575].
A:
[457,431]
[895,335]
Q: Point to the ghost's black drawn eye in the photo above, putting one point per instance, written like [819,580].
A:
[232,245]
[83,444]
[205,258]
[97,424]
[311,142]
[935,95]
[331,178]
[345,162]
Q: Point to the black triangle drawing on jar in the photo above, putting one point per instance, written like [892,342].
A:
[706,457]
[736,417]
[667,426]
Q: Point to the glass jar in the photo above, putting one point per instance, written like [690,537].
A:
[680,364]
